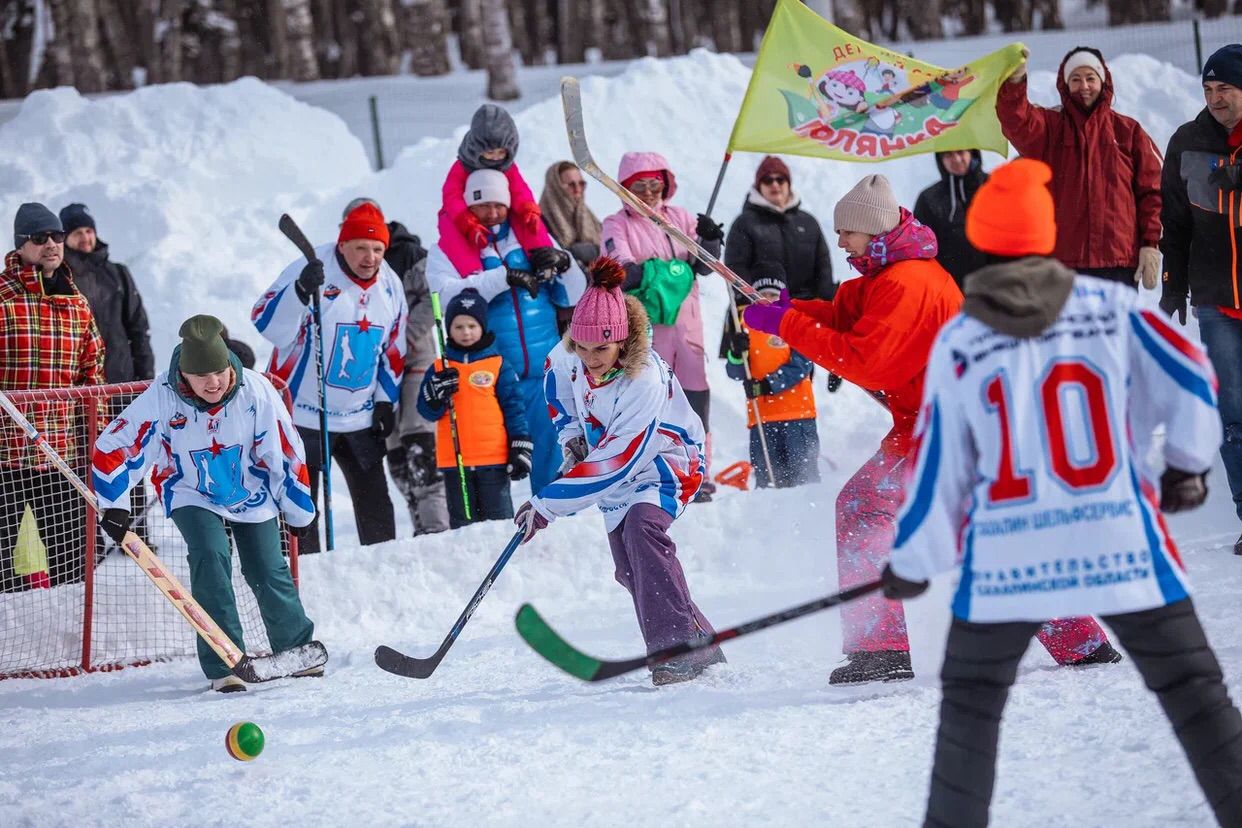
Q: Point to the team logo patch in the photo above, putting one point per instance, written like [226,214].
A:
[607,334]
[213,426]
[960,363]
[364,299]
[775,341]
[482,379]
[118,424]
[476,196]
[331,292]
[178,421]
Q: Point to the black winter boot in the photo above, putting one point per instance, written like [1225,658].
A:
[1103,654]
[879,665]
[1237,546]
[686,668]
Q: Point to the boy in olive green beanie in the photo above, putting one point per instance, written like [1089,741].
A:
[225,456]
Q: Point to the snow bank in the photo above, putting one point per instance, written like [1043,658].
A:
[185,182]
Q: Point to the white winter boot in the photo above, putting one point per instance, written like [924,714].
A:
[228,684]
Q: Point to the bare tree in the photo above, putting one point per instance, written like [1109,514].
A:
[300,33]
[727,27]
[1049,14]
[470,32]
[571,26]
[498,48]
[57,66]
[1121,12]
[275,23]
[17,21]
[652,29]
[426,24]
[922,18]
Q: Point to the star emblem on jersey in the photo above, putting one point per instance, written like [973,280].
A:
[216,448]
[364,325]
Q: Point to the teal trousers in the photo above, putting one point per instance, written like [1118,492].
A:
[265,570]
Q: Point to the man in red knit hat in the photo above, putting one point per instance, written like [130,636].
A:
[364,312]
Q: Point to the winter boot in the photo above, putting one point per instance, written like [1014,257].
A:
[1103,654]
[686,668]
[706,489]
[1237,546]
[878,665]
[228,684]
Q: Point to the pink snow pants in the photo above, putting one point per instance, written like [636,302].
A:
[866,529]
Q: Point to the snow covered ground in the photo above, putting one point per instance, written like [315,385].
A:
[187,184]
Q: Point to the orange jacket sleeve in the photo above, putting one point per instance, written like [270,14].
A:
[876,351]
[821,310]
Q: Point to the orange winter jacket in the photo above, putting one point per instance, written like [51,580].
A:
[877,332]
[768,354]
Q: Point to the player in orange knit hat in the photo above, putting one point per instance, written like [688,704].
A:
[1012,214]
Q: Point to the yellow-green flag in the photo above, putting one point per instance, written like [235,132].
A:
[815,88]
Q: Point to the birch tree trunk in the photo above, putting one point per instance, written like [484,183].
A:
[426,29]
[498,50]
[922,18]
[300,33]
[571,25]
[470,33]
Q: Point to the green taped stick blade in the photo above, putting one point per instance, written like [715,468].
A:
[545,641]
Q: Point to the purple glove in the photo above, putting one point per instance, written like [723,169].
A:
[529,521]
[766,317]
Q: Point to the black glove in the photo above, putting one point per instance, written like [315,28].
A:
[707,229]
[309,281]
[834,383]
[420,460]
[738,342]
[897,588]
[441,385]
[301,532]
[383,419]
[1182,491]
[757,388]
[523,279]
[519,457]
[544,259]
[1174,305]
[115,522]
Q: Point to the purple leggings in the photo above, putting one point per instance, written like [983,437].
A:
[647,567]
[866,529]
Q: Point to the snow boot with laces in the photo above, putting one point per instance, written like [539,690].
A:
[878,665]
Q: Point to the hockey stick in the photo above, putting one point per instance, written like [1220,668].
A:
[452,409]
[294,234]
[252,669]
[403,665]
[571,102]
[544,640]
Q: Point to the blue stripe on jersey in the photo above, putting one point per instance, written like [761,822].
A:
[668,486]
[386,382]
[296,494]
[961,598]
[568,488]
[299,371]
[269,310]
[920,505]
[1170,587]
[1189,380]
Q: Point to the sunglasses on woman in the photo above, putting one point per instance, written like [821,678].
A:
[773,179]
[41,238]
[647,185]
[576,185]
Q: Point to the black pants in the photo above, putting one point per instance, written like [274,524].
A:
[488,490]
[360,456]
[59,514]
[793,446]
[1172,654]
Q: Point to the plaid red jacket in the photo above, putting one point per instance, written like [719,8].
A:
[46,341]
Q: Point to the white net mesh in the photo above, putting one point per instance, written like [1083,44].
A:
[69,598]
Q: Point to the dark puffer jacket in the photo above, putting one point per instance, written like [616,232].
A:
[792,237]
[117,307]
[942,207]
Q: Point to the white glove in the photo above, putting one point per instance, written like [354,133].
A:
[1148,272]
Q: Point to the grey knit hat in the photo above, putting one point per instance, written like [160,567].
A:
[203,350]
[32,217]
[869,208]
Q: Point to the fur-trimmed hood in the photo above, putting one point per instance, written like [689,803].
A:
[636,349]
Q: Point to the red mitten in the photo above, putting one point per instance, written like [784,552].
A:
[528,215]
[472,229]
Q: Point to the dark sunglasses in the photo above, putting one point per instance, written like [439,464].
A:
[773,179]
[41,238]
[576,185]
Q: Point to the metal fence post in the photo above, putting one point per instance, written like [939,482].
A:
[375,132]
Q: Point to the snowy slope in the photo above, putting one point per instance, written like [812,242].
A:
[497,737]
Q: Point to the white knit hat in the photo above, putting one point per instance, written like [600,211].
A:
[869,208]
[1079,58]
[486,186]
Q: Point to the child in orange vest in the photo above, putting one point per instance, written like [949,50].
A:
[491,415]
[780,388]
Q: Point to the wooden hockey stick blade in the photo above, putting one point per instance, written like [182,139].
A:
[571,102]
[294,234]
[544,640]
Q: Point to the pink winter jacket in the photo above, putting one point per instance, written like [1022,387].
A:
[463,254]
[630,237]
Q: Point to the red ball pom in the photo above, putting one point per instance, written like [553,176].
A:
[606,272]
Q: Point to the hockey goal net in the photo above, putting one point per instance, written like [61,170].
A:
[70,600]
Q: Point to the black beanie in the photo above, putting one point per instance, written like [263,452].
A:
[203,350]
[1225,65]
[32,218]
[75,216]
[469,302]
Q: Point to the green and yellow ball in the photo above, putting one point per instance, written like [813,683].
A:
[244,741]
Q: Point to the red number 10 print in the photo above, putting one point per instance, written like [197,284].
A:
[1065,385]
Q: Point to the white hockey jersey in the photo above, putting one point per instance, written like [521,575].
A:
[363,342]
[1030,461]
[645,443]
[242,460]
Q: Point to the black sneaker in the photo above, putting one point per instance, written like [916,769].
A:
[1103,654]
[877,665]
[686,668]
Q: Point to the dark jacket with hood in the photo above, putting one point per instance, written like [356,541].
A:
[942,207]
[1105,172]
[1201,214]
[117,307]
[791,236]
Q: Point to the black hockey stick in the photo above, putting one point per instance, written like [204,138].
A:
[544,640]
[403,665]
[294,234]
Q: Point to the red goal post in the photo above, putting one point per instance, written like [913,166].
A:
[70,601]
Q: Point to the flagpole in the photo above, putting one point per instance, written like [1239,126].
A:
[724,165]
